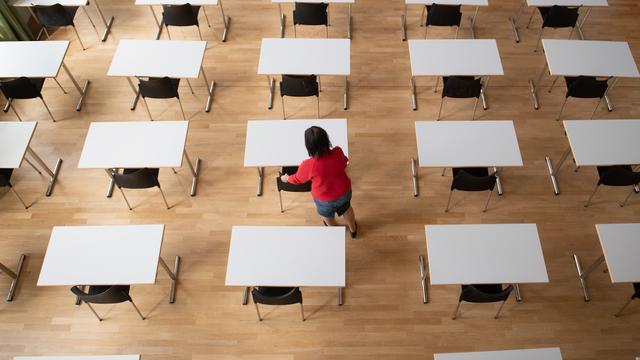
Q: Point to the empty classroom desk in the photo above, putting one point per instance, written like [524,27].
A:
[226,20]
[305,57]
[611,59]
[140,144]
[621,248]
[283,18]
[105,255]
[37,59]
[423,3]
[15,140]
[160,58]
[281,142]
[454,58]
[311,256]
[483,254]
[598,143]
[466,144]
[589,4]
[524,354]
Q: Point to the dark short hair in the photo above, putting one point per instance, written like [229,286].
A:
[317,141]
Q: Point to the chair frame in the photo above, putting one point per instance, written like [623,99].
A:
[146,105]
[127,200]
[100,319]
[44,28]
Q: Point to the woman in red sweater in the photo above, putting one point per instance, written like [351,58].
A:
[330,185]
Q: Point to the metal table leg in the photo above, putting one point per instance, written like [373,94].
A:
[107,24]
[52,174]
[82,91]
[136,93]
[260,180]
[283,20]
[403,18]
[516,287]
[533,87]
[340,296]
[7,105]
[553,171]
[414,177]
[414,99]
[195,172]
[349,23]
[173,275]
[272,88]
[245,295]
[472,23]
[606,96]
[497,171]
[423,280]
[13,275]
[483,92]
[111,182]
[210,89]
[514,20]
[345,102]
[582,275]
[226,20]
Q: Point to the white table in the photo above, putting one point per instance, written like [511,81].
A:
[466,144]
[598,143]
[424,3]
[283,19]
[621,248]
[79,3]
[454,58]
[611,59]
[137,144]
[160,58]
[226,20]
[105,255]
[524,354]
[548,3]
[281,142]
[305,57]
[37,59]
[483,254]
[287,256]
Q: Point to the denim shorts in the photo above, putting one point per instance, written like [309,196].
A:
[329,208]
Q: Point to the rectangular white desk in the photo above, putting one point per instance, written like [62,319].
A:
[611,59]
[15,138]
[598,143]
[226,20]
[287,256]
[283,18]
[137,144]
[621,249]
[524,354]
[305,57]
[37,59]
[264,144]
[466,144]
[105,255]
[160,58]
[454,58]
[424,3]
[483,254]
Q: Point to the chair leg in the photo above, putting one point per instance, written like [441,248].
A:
[125,198]
[18,196]
[318,101]
[190,87]
[441,103]
[562,108]
[33,166]
[91,21]
[486,205]
[597,106]
[199,32]
[553,84]
[206,17]
[422,14]
[624,307]
[448,201]
[457,31]
[284,117]
[93,311]
[184,117]
[475,106]
[60,86]
[137,310]
[280,197]
[591,197]
[539,38]
[14,110]
[164,198]
[302,311]
[146,106]
[633,189]
[499,310]
[571,33]
[327,35]
[455,313]
[78,36]
[168,33]
[533,11]
[295,36]
[46,107]
[426,30]
[257,311]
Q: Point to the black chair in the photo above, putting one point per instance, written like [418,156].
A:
[277,296]
[282,186]
[311,14]
[485,293]
[138,179]
[299,86]
[472,179]
[584,87]
[110,294]
[182,15]
[619,175]
[24,88]
[160,88]
[557,17]
[59,16]
[636,295]
[442,15]
[5,181]
[461,87]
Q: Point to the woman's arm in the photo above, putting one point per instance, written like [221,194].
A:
[300,177]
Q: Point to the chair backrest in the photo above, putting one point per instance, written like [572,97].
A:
[299,85]
[5,177]
[270,295]
[103,294]
[559,16]
[485,293]
[55,15]
[180,15]
[619,175]
[137,178]
[636,291]
[282,186]
[443,15]
[472,179]
[20,88]
[159,88]
[586,87]
[310,14]
[461,87]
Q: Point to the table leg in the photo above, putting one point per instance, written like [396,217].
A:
[7,105]
[111,182]
[13,275]
[423,280]
[606,95]
[226,20]
[580,23]
[533,87]
[514,20]
[403,19]
[349,22]
[260,180]
[245,295]
[472,23]
[414,99]
[159,23]
[483,91]
[195,172]
[497,171]
[283,20]
[553,171]
[516,288]
[78,301]
[173,275]
[582,275]
[82,91]
[345,101]
[107,24]
[210,90]
[272,88]
[340,296]
[414,177]
[52,174]
[136,93]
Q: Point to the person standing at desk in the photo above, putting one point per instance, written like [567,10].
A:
[330,185]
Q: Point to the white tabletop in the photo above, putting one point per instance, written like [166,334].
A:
[455,57]
[134,144]
[621,247]
[448,2]
[286,256]
[80,357]
[281,142]
[14,140]
[177,2]
[524,354]
[604,142]
[28,3]
[31,58]
[485,254]
[467,144]
[305,57]
[158,58]
[102,255]
[590,58]
[567,2]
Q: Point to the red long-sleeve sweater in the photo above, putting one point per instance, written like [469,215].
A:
[329,181]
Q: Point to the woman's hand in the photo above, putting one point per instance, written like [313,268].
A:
[284,178]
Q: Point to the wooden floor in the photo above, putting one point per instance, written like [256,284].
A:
[383,316]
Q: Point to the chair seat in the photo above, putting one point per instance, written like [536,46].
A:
[137,178]
[558,16]
[276,295]
[443,15]
[22,88]
[99,289]
[299,86]
[585,87]
[310,14]
[5,177]
[474,171]
[636,290]
[180,15]
[159,88]
[619,175]
[56,15]
[485,293]
[461,87]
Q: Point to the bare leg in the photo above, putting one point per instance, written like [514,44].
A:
[329,221]
[350,218]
